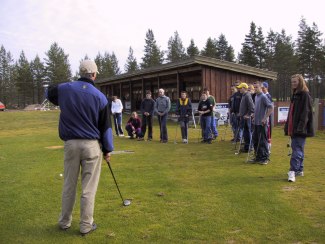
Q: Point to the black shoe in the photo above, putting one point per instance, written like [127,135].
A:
[209,141]
[164,141]
[149,139]
[243,150]
[93,228]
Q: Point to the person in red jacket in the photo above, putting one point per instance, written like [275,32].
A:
[299,124]
[133,126]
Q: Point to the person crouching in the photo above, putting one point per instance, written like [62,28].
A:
[133,126]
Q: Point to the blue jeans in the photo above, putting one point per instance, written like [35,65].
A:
[163,127]
[118,123]
[206,127]
[214,126]
[297,156]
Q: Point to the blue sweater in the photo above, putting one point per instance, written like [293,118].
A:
[85,112]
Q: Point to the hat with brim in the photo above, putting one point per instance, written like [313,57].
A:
[242,85]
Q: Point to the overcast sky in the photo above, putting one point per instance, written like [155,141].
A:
[86,27]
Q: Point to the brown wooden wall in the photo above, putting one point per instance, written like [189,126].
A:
[219,82]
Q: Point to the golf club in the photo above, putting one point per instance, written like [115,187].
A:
[125,202]
[176,133]
[223,138]
[289,147]
[250,146]
[240,142]
[236,135]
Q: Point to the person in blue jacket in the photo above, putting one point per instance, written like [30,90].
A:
[85,127]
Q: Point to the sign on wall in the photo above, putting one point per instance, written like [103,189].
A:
[282,114]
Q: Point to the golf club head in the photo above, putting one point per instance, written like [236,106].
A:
[126,202]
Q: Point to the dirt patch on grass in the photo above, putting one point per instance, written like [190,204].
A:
[289,188]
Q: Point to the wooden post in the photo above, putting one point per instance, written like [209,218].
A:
[177,88]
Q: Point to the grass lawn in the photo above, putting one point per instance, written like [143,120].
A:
[193,193]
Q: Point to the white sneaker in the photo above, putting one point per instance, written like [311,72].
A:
[121,135]
[185,141]
[291,176]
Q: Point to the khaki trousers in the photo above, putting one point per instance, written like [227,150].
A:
[87,154]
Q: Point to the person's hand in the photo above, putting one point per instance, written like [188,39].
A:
[246,116]
[107,157]
[264,121]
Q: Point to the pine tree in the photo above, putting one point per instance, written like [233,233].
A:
[131,62]
[285,63]
[107,65]
[57,65]
[222,47]
[152,54]
[192,49]
[260,48]
[7,86]
[210,49]
[39,75]
[114,64]
[230,54]
[310,54]
[248,53]
[176,50]
[270,43]
[24,81]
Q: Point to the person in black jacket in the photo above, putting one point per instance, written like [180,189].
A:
[299,125]
[184,112]
[147,108]
[235,111]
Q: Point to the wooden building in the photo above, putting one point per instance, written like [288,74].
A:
[190,75]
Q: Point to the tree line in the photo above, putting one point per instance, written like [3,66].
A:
[22,81]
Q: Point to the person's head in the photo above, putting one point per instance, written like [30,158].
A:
[265,87]
[204,96]
[206,90]
[148,94]
[237,82]
[183,94]
[242,87]
[88,69]
[114,98]
[161,92]
[233,89]
[258,87]
[298,83]
[134,115]
[251,88]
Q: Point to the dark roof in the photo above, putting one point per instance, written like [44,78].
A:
[200,60]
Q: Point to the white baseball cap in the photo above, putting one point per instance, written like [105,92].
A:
[88,67]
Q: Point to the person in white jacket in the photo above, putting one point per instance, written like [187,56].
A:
[117,108]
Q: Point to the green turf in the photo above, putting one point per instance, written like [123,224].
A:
[193,193]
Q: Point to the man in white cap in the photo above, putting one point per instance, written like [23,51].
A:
[85,127]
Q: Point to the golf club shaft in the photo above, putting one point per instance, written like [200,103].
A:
[110,168]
